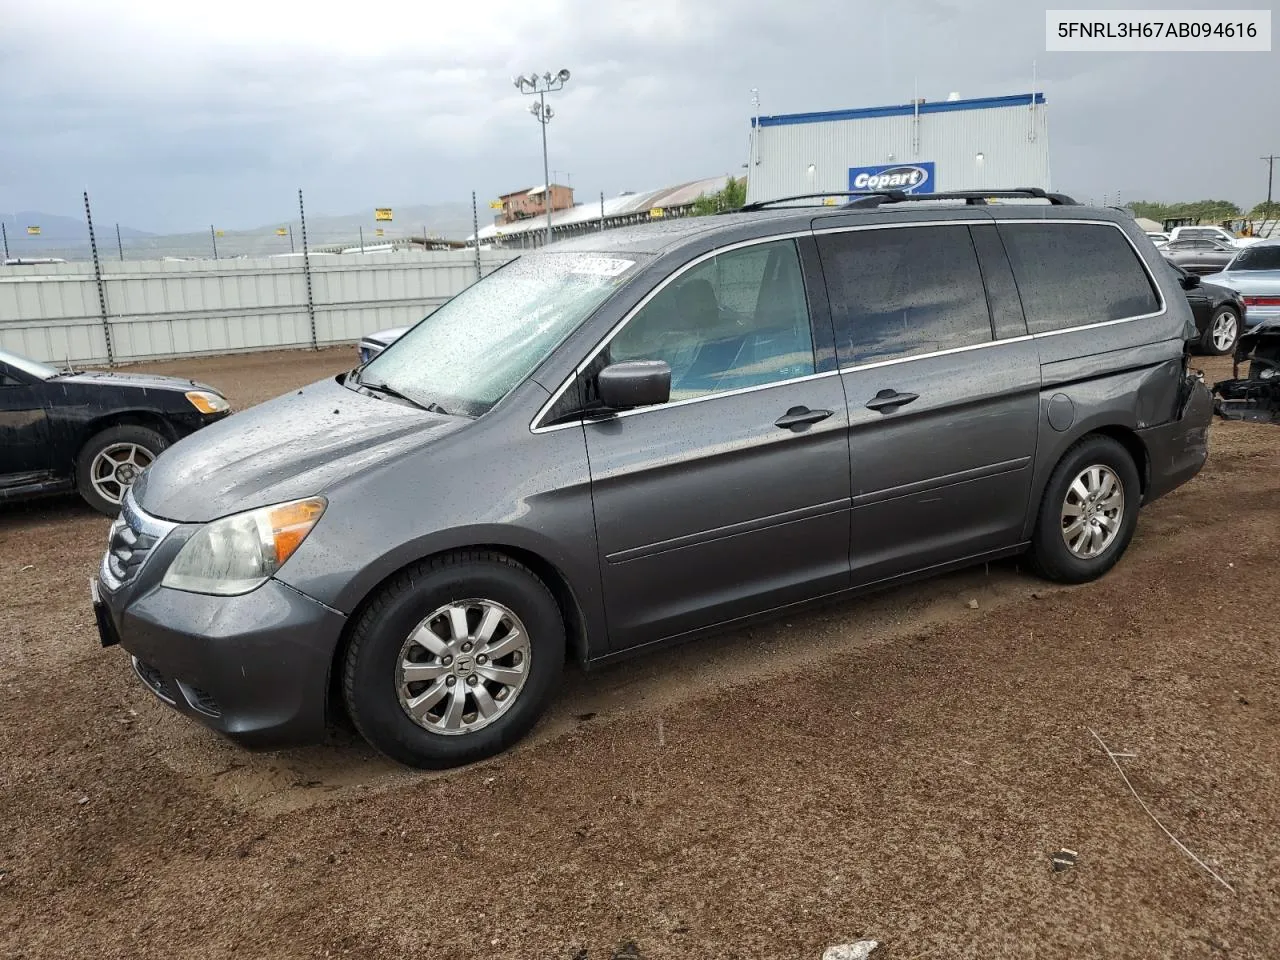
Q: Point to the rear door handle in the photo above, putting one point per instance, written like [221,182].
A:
[887,401]
[799,417]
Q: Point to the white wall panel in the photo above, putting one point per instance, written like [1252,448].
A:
[157,309]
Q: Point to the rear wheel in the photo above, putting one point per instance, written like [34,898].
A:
[455,660]
[1088,513]
[1221,333]
[112,460]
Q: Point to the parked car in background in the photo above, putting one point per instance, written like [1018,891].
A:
[637,436]
[92,432]
[1198,256]
[1254,273]
[375,343]
[1159,239]
[1220,234]
[1219,313]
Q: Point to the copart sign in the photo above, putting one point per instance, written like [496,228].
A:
[907,177]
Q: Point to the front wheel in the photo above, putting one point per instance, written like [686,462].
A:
[112,460]
[455,660]
[1088,513]
[1222,332]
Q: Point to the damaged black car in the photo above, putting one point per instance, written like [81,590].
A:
[1255,396]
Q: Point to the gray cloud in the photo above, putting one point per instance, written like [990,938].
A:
[175,117]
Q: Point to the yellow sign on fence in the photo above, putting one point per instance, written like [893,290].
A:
[656,213]
[220,233]
[495,204]
[282,231]
[382,213]
[378,232]
[33,230]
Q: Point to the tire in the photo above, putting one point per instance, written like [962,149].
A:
[1050,553]
[1221,333]
[408,631]
[131,448]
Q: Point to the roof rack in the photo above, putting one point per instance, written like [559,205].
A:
[764,204]
[970,197]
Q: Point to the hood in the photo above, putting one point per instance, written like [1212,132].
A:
[298,445]
[1247,281]
[385,337]
[140,381]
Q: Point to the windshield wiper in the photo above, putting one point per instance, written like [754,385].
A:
[391,391]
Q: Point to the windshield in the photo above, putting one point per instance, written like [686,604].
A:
[1257,257]
[468,354]
[32,367]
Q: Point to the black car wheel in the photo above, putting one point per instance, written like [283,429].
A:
[1088,513]
[1221,332]
[454,660]
[112,460]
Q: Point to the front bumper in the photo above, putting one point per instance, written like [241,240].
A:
[254,668]
[1177,450]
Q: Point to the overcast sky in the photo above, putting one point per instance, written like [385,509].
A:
[175,114]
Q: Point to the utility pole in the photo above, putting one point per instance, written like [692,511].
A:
[214,238]
[1270,164]
[119,245]
[362,239]
[541,86]
[5,234]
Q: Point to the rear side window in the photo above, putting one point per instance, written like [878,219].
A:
[1075,274]
[904,291]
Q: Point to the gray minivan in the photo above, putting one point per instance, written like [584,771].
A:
[633,437]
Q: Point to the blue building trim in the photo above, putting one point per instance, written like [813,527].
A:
[900,110]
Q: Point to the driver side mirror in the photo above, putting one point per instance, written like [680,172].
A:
[634,383]
[1190,281]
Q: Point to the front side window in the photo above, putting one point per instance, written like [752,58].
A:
[739,319]
[469,353]
[1073,274]
[904,291]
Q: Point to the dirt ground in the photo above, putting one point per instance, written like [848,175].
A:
[901,767]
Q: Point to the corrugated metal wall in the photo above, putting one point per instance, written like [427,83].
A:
[1014,142]
[164,308]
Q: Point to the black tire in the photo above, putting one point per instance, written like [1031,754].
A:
[369,669]
[1207,346]
[150,441]
[1050,554]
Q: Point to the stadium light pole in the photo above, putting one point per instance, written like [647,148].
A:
[540,86]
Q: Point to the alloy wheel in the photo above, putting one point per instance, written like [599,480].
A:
[116,467]
[1092,511]
[1224,330]
[463,666]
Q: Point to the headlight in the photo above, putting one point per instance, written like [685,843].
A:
[207,402]
[240,553]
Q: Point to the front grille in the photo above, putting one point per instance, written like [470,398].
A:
[154,679]
[130,542]
[201,700]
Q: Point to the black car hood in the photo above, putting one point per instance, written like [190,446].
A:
[298,445]
[139,381]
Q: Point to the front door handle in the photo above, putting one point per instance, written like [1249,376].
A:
[797,418]
[887,401]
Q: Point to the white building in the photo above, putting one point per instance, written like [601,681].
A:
[923,146]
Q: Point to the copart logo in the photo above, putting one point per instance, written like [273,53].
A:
[897,178]
[908,177]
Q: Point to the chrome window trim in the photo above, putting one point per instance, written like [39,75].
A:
[536,427]
[936,353]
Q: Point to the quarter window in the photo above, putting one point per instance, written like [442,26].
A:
[904,291]
[739,319]
[1076,274]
